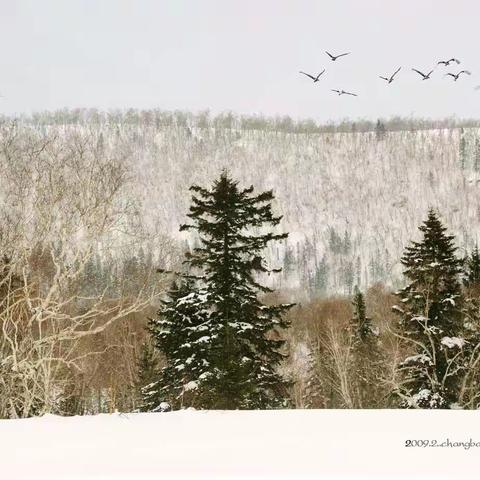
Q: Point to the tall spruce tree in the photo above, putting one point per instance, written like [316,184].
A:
[431,320]
[365,355]
[222,343]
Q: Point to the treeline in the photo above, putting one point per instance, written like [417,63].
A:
[229,120]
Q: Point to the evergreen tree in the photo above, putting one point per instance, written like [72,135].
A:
[182,333]
[288,260]
[147,375]
[431,321]
[361,326]
[365,356]
[319,280]
[471,310]
[472,271]
[221,342]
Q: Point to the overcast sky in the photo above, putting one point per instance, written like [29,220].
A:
[240,55]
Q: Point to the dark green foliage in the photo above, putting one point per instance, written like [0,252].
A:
[222,344]
[366,357]
[183,334]
[431,319]
[472,270]
[362,328]
[147,375]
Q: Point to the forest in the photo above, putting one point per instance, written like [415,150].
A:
[354,281]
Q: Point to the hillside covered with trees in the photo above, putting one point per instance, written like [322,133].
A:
[92,205]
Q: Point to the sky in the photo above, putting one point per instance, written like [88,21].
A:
[240,55]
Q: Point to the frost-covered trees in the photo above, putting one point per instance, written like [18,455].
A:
[221,342]
[431,321]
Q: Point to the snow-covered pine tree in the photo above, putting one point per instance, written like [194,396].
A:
[431,320]
[243,340]
[183,335]
[471,309]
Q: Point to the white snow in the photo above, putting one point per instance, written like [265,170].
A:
[452,342]
[190,386]
[420,358]
[289,444]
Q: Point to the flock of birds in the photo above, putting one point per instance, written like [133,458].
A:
[389,80]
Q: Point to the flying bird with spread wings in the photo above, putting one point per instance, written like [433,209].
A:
[390,79]
[425,76]
[315,79]
[343,92]
[457,75]
[448,62]
[334,57]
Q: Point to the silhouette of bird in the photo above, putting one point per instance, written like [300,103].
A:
[390,80]
[315,79]
[448,62]
[343,92]
[334,57]
[425,77]
[456,75]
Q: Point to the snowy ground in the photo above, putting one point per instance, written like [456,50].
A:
[291,444]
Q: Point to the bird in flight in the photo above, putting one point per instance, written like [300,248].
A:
[448,62]
[315,79]
[334,57]
[390,80]
[343,92]
[456,75]
[425,77]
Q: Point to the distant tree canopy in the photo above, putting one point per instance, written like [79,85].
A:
[230,120]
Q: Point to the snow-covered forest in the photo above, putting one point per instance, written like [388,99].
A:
[351,195]
[91,208]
